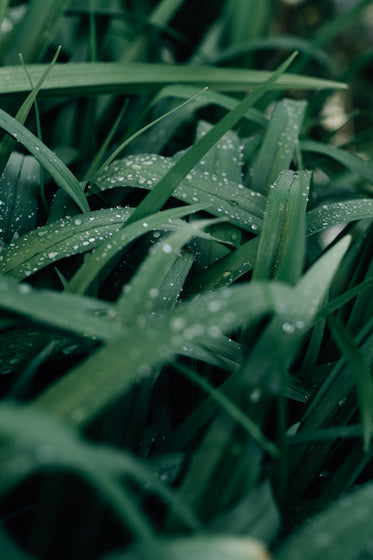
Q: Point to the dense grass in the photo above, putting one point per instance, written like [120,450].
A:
[186,278]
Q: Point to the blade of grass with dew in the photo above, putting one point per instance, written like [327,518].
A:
[19,188]
[342,531]
[139,295]
[34,33]
[282,238]
[7,143]
[354,163]
[100,260]
[335,213]
[165,187]
[76,314]
[63,238]
[48,159]
[243,207]
[279,144]
[80,79]
[127,358]
[361,374]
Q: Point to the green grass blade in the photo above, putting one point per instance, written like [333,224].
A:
[101,258]
[165,187]
[279,144]
[282,239]
[63,238]
[243,207]
[51,163]
[79,79]
[334,213]
[361,374]
[84,391]
[7,144]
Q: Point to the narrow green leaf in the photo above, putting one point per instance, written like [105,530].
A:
[279,144]
[51,163]
[335,213]
[80,78]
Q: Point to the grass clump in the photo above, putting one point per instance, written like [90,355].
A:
[186,275]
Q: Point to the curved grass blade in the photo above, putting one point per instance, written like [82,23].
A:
[87,389]
[79,79]
[100,260]
[335,213]
[63,238]
[224,197]
[140,295]
[76,314]
[48,159]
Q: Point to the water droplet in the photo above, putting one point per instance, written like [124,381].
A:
[288,328]
[167,248]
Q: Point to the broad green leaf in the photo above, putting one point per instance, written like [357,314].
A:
[279,143]
[342,531]
[80,78]
[51,163]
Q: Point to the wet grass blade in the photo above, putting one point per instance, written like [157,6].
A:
[279,144]
[48,159]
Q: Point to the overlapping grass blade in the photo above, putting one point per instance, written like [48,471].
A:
[282,239]
[63,238]
[140,295]
[48,159]
[279,144]
[8,143]
[101,258]
[19,186]
[166,186]
[224,197]
[156,340]
[335,213]
[79,79]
